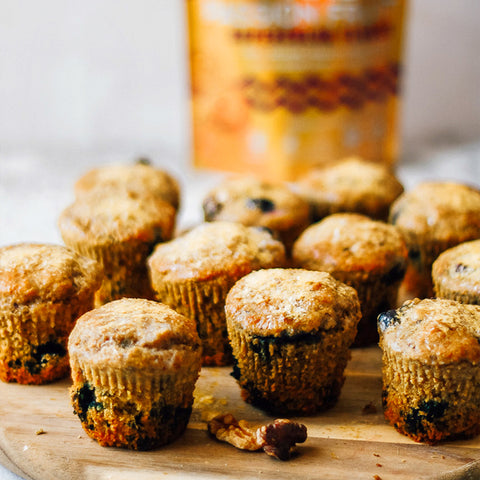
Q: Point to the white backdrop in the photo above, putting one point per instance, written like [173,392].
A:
[112,74]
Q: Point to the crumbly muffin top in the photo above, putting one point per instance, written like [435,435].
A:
[291,301]
[435,331]
[439,211]
[216,249]
[136,178]
[31,272]
[134,333]
[96,217]
[350,242]
[252,201]
[458,268]
[351,185]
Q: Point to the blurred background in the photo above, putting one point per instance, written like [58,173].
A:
[112,76]
[87,83]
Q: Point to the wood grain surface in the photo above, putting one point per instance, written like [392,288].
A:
[343,442]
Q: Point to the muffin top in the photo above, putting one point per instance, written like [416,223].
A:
[439,211]
[31,272]
[350,242]
[137,179]
[433,331]
[134,333]
[458,268]
[216,249]
[99,218]
[291,301]
[351,185]
[252,201]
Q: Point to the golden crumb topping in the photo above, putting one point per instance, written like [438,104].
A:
[252,201]
[350,183]
[439,211]
[134,333]
[214,249]
[35,272]
[459,267]
[291,301]
[117,217]
[350,242]
[135,178]
[433,330]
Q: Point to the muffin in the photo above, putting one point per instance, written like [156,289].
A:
[290,331]
[119,231]
[254,202]
[136,179]
[194,272]
[43,290]
[350,185]
[433,217]
[431,369]
[369,255]
[456,273]
[134,366]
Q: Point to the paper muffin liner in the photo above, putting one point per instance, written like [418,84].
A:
[204,302]
[430,402]
[125,272]
[376,295]
[302,374]
[131,409]
[33,339]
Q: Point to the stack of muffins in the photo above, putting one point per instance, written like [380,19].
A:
[280,280]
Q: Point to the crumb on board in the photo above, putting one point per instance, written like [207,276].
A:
[40,431]
[377,477]
[376,454]
[369,409]
[379,465]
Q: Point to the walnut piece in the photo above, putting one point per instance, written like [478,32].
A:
[278,439]
[281,436]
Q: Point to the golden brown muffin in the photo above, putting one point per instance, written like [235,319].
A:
[119,231]
[369,255]
[291,330]
[193,274]
[137,179]
[350,185]
[43,290]
[431,369]
[134,366]
[254,202]
[433,217]
[456,273]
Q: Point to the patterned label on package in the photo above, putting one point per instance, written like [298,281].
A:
[280,86]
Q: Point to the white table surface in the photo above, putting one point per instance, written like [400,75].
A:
[35,187]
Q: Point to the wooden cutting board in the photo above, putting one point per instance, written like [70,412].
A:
[343,443]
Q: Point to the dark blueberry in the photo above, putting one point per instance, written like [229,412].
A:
[460,268]
[48,348]
[263,204]
[236,373]
[143,161]
[211,208]
[427,411]
[387,319]
[414,255]
[395,274]
[86,399]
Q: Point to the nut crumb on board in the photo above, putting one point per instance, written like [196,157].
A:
[378,465]
[277,439]
[369,409]
[376,477]
[40,431]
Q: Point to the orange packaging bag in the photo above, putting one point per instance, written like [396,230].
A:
[278,86]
